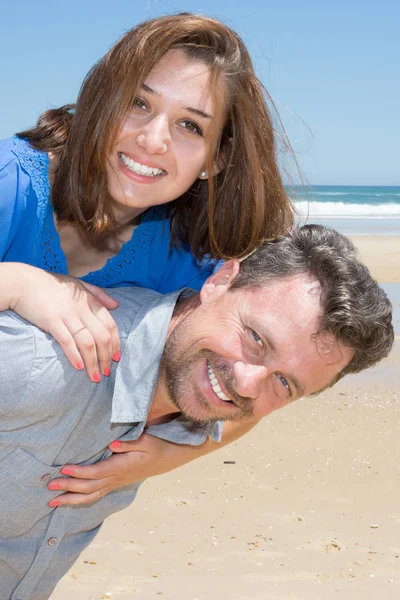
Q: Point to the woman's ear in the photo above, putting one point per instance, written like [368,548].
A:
[219,164]
[219,282]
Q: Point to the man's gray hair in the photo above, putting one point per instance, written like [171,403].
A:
[354,308]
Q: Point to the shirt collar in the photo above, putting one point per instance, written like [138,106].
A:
[138,371]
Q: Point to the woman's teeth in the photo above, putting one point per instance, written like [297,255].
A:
[136,167]
[215,385]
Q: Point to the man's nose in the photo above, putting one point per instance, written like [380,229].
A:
[249,379]
[155,136]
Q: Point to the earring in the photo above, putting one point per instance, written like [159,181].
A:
[203,175]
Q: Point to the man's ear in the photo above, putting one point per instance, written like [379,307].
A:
[219,282]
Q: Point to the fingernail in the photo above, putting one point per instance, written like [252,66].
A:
[96,377]
[54,503]
[107,371]
[115,444]
[117,356]
[53,486]
[79,365]
[65,471]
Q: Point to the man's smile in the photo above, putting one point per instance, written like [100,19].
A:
[215,384]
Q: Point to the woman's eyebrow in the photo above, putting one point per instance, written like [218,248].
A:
[196,111]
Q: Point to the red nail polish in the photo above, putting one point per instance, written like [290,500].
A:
[79,365]
[115,444]
[53,486]
[65,471]
[107,372]
[117,356]
[54,503]
[96,377]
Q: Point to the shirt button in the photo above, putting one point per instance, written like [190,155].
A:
[52,541]
[45,477]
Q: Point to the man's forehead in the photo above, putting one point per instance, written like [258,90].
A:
[302,286]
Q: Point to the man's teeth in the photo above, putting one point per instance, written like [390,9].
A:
[215,385]
[136,167]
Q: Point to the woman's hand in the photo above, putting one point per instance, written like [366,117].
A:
[75,313]
[135,461]
[132,462]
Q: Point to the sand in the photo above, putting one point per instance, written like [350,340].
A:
[382,255]
[306,508]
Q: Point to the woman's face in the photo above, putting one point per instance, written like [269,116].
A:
[161,147]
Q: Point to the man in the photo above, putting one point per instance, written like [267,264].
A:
[290,320]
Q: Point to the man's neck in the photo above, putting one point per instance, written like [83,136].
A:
[162,409]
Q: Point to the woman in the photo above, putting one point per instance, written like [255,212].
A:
[165,164]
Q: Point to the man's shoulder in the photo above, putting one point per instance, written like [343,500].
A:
[131,297]
[135,303]
[17,354]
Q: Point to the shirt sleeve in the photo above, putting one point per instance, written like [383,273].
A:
[13,185]
[17,353]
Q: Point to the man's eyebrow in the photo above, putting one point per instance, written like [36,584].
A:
[196,111]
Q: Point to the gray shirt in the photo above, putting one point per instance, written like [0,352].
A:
[50,415]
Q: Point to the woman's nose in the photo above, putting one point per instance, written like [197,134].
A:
[155,136]
[249,379]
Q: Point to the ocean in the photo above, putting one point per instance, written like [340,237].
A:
[353,210]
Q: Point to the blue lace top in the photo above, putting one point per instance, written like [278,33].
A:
[28,234]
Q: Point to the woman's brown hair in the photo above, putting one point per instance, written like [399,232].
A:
[226,216]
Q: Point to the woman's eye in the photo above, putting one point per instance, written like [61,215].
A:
[192,127]
[257,338]
[141,104]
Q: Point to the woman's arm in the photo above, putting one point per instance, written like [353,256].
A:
[74,313]
[133,461]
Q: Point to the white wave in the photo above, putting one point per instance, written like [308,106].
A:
[340,209]
[358,193]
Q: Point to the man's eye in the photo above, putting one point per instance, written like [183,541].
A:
[141,104]
[192,127]
[257,338]
[284,382]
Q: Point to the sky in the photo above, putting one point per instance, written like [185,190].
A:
[332,68]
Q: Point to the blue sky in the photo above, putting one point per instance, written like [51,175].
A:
[331,67]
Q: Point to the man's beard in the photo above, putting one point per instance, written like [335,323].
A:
[176,370]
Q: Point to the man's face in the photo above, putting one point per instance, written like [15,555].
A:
[244,353]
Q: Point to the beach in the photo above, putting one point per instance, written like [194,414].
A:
[305,507]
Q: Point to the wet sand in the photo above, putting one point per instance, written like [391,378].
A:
[306,507]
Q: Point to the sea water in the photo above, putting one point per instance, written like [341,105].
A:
[353,210]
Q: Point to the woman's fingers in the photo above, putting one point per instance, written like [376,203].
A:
[99,470]
[76,498]
[91,482]
[94,343]
[62,335]
[89,488]
[95,336]
[131,446]
[81,486]
[104,316]
[101,295]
